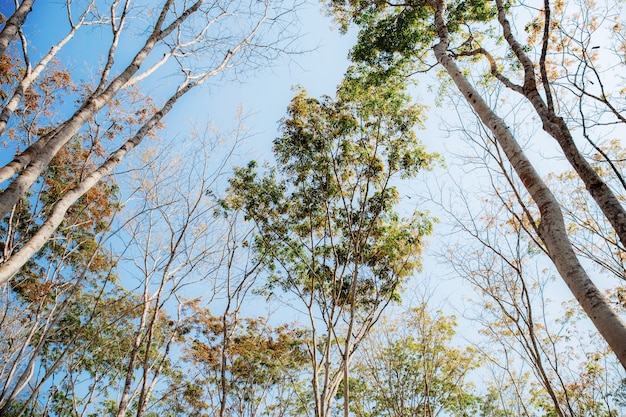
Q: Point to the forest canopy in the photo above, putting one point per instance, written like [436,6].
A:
[441,233]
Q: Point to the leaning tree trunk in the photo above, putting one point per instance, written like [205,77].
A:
[552,229]
[33,166]
[556,127]
[10,267]
[13,24]
[13,264]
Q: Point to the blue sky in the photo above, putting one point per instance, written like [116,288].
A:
[264,93]
[267,93]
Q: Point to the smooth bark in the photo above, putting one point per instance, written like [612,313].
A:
[552,229]
[43,234]
[49,145]
[556,127]
[11,266]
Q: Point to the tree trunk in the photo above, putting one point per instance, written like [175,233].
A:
[556,127]
[552,229]
[54,142]
[43,234]
[13,24]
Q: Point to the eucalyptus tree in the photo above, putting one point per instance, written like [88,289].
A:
[457,36]
[326,226]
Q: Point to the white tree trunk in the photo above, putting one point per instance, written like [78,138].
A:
[43,234]
[556,127]
[552,229]
[12,265]
[49,145]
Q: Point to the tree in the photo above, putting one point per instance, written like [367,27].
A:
[13,24]
[398,37]
[174,247]
[102,341]
[188,37]
[43,299]
[549,360]
[591,235]
[325,221]
[24,75]
[228,364]
[53,321]
[543,361]
[82,358]
[242,366]
[409,367]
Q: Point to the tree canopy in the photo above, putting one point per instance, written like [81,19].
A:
[154,265]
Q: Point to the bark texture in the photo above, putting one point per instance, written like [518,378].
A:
[556,127]
[13,24]
[552,229]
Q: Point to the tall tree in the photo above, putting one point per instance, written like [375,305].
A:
[591,235]
[50,315]
[91,335]
[539,353]
[187,36]
[325,220]
[399,38]
[548,359]
[39,302]
[174,250]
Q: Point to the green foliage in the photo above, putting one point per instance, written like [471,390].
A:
[392,39]
[325,215]
[326,225]
[396,39]
[410,368]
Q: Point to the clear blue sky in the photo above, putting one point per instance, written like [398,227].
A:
[265,93]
